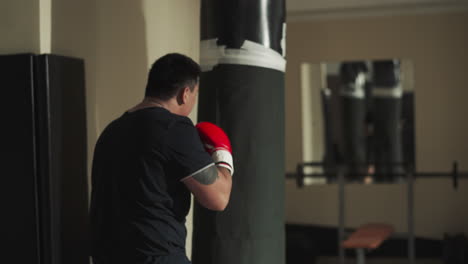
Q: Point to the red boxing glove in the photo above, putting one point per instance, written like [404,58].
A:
[217,144]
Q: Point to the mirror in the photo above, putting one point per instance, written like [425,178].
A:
[359,114]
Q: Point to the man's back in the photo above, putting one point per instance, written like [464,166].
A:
[138,203]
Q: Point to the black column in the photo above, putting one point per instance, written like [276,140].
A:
[242,90]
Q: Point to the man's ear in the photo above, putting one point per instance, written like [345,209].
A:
[183,96]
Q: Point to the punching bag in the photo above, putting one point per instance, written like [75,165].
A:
[330,156]
[353,107]
[242,91]
[387,111]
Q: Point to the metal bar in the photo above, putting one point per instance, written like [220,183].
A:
[415,175]
[411,246]
[319,164]
[455,175]
[440,174]
[361,256]
[405,165]
[341,214]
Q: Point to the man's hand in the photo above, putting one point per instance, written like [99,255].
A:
[217,144]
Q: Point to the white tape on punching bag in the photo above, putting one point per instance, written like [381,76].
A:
[388,92]
[355,89]
[250,53]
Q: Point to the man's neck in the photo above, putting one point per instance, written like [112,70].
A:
[148,102]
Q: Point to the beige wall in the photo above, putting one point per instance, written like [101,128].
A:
[436,43]
[19,26]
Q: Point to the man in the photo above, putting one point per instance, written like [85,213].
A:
[147,162]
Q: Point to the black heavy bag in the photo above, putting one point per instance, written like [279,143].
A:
[242,91]
[387,111]
[353,107]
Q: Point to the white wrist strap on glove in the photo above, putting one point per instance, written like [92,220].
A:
[223,158]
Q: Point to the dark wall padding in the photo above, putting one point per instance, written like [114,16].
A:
[44,181]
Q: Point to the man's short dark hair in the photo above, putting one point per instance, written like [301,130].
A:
[171,73]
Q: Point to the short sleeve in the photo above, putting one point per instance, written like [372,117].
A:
[186,151]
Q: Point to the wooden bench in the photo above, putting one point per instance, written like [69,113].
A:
[369,236]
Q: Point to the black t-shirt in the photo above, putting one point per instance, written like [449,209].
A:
[138,203]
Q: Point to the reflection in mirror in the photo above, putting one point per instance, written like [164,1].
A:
[359,114]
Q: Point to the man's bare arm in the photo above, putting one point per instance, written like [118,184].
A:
[211,187]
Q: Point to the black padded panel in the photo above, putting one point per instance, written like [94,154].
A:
[63,146]
[44,192]
[19,225]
